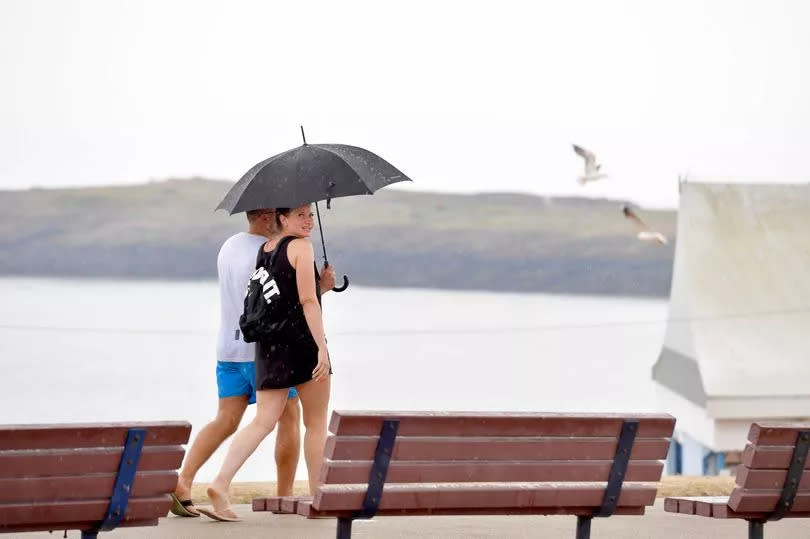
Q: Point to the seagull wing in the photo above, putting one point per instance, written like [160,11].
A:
[646,235]
[590,160]
[630,214]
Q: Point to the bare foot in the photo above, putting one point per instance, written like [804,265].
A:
[221,506]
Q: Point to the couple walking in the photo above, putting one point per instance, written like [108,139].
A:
[281,374]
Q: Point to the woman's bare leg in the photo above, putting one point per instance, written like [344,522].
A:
[315,403]
[231,410]
[269,405]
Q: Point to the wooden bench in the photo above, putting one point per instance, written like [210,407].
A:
[425,463]
[88,477]
[773,481]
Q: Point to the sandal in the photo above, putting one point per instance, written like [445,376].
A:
[183,508]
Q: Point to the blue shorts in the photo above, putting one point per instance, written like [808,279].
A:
[237,378]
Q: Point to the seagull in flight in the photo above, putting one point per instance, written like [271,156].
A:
[646,233]
[591,168]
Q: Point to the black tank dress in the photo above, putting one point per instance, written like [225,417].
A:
[291,362]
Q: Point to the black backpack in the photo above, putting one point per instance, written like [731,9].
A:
[266,313]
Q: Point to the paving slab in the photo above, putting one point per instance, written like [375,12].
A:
[655,524]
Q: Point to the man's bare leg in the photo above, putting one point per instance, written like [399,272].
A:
[288,447]
[231,410]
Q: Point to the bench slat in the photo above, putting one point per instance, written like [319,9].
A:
[80,511]
[347,472]
[305,509]
[704,506]
[769,457]
[770,433]
[671,505]
[274,504]
[69,436]
[724,511]
[715,507]
[481,496]
[768,479]
[289,504]
[707,508]
[36,489]
[45,462]
[493,448]
[747,501]
[688,507]
[350,423]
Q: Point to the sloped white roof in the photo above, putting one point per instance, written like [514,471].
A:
[740,301]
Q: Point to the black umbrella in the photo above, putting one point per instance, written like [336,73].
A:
[311,173]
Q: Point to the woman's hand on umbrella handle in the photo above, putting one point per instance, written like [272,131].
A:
[327,277]
[344,287]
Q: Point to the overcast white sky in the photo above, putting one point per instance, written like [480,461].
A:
[461,96]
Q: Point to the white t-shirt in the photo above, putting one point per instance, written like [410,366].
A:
[236,262]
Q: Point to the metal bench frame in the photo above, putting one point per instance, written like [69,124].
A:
[123,483]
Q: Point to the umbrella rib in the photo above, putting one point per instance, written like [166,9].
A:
[368,190]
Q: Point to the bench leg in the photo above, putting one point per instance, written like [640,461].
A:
[756,529]
[584,527]
[344,528]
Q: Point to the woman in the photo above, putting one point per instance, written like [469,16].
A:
[302,361]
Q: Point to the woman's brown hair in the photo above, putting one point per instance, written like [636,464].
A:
[279,212]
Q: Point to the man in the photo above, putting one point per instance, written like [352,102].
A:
[235,370]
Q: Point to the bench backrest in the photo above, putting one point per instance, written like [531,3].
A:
[61,476]
[766,460]
[540,462]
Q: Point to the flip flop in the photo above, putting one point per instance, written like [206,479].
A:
[184,508]
[210,513]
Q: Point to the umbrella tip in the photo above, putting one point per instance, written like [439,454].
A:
[303,136]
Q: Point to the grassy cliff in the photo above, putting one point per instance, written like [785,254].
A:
[395,238]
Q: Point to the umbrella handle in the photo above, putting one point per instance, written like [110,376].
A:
[344,287]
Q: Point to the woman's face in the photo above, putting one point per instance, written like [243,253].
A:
[299,221]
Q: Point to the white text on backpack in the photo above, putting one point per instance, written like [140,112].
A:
[269,286]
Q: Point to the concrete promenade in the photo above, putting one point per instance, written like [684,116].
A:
[656,524]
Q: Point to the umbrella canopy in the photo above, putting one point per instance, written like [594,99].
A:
[310,173]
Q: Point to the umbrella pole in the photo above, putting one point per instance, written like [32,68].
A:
[326,260]
[320,229]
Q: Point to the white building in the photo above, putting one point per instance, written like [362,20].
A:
[737,346]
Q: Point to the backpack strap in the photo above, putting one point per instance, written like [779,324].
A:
[282,241]
[259,255]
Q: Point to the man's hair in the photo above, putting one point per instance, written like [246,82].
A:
[252,215]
